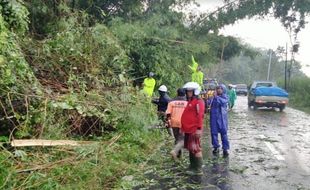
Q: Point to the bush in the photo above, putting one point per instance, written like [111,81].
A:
[299,93]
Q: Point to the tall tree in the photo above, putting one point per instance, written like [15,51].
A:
[291,13]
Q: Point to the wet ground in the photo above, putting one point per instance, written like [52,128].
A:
[269,150]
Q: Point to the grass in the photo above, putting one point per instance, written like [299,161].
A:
[299,94]
[300,107]
[100,166]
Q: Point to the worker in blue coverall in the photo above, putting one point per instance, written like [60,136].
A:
[219,120]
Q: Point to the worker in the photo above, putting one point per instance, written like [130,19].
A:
[209,96]
[164,99]
[194,65]
[232,96]
[192,125]
[219,120]
[162,104]
[149,84]
[197,74]
[197,77]
[173,114]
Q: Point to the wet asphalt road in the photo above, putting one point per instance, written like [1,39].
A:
[272,147]
[270,150]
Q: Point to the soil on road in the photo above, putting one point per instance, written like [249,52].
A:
[269,150]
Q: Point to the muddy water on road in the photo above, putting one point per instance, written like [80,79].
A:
[269,150]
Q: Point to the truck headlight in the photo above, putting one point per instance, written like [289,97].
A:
[283,102]
[260,101]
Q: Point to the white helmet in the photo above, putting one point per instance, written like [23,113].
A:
[163,88]
[151,74]
[192,86]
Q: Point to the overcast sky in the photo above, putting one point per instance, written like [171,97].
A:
[267,33]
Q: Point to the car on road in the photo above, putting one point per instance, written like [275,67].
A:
[241,89]
[267,94]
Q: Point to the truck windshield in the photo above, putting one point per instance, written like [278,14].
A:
[241,86]
[264,85]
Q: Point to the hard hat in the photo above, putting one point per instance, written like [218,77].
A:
[163,88]
[230,85]
[192,86]
[197,92]
[151,74]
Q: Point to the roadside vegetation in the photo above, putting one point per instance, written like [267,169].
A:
[73,70]
[300,93]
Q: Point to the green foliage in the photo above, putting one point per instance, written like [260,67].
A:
[43,17]
[291,13]
[7,169]
[299,93]
[13,67]
[95,51]
[16,75]
[149,52]
[98,166]
[70,77]
[110,8]
[15,15]
[252,65]
[164,48]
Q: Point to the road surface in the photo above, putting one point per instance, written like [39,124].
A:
[270,150]
[273,148]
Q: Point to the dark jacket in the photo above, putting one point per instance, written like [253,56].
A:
[162,102]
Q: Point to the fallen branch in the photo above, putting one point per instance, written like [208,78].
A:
[39,142]
[114,139]
[47,166]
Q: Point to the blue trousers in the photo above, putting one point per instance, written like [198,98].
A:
[224,138]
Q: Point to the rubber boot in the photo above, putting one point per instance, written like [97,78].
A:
[215,151]
[195,167]
[191,169]
[198,165]
[191,161]
[179,154]
[225,154]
